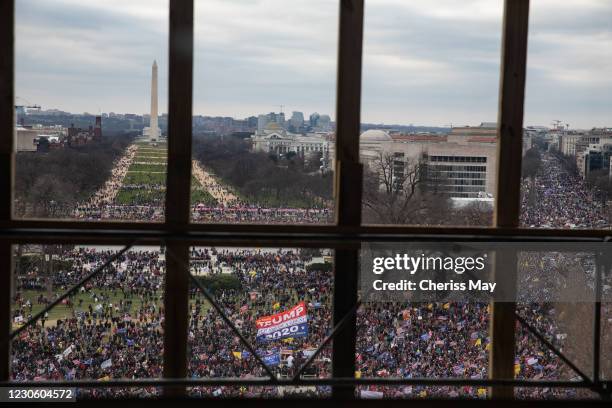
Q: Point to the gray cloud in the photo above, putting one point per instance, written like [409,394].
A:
[434,62]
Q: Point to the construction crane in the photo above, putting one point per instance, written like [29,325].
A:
[26,105]
[20,109]
[556,124]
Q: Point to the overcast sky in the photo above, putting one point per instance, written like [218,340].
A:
[433,62]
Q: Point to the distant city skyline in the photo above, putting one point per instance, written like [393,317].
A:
[550,125]
[427,64]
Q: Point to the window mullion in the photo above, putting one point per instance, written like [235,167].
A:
[348,187]
[178,189]
[507,207]
[7,110]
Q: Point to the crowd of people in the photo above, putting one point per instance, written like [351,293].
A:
[147,212]
[451,340]
[114,328]
[557,198]
[115,325]
[423,341]
[121,200]
[106,194]
[271,281]
[260,215]
[229,208]
[146,200]
[121,314]
[220,193]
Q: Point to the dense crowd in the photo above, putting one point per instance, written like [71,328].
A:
[121,200]
[120,312]
[146,212]
[259,215]
[146,201]
[107,193]
[114,328]
[222,194]
[557,198]
[270,282]
[423,340]
[115,325]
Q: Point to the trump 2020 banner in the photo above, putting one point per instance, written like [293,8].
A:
[289,323]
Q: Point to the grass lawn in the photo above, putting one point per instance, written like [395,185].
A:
[152,179]
[145,148]
[147,167]
[151,152]
[202,196]
[62,311]
[150,159]
[148,145]
[145,178]
[140,197]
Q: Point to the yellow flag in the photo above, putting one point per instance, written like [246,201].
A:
[517,369]
[237,354]
[488,346]
[276,306]
[423,394]
[288,340]
[482,392]
[478,342]
[357,374]
[446,305]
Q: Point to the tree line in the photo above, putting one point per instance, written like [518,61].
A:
[262,178]
[51,184]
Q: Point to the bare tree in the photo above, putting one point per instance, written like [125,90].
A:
[532,161]
[399,191]
[476,214]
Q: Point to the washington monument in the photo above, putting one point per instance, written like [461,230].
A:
[152,133]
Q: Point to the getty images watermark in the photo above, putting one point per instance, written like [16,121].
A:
[482,272]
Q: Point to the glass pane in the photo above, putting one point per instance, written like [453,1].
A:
[111,327]
[566,321]
[416,321]
[84,148]
[280,300]
[429,105]
[568,126]
[569,327]
[264,101]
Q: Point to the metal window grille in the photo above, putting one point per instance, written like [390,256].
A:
[344,236]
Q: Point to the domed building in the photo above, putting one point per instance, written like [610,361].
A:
[375,136]
[466,157]
[372,142]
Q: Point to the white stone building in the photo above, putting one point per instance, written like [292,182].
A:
[466,159]
[278,140]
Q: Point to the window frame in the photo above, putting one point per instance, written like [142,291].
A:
[178,232]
